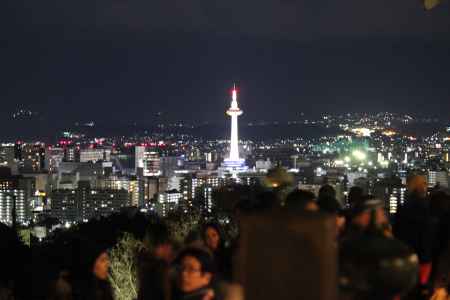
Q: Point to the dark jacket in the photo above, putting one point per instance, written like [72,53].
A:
[222,260]
[442,236]
[441,253]
[441,271]
[415,226]
[92,289]
[195,295]
[153,276]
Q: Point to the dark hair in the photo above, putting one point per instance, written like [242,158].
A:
[217,228]
[355,194]
[329,205]
[327,191]
[298,199]
[86,252]
[205,259]
[158,234]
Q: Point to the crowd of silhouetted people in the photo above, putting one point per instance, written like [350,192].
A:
[380,257]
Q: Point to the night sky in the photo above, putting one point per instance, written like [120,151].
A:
[124,60]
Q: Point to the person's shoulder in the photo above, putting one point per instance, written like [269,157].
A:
[207,293]
[414,207]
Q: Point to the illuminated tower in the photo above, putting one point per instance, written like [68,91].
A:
[234,163]
[234,111]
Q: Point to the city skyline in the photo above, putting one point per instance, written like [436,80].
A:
[94,107]
[128,169]
[34,126]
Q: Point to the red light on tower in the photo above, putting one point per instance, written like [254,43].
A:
[234,89]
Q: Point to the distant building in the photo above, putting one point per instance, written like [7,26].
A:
[396,199]
[7,155]
[199,189]
[152,186]
[212,157]
[131,185]
[94,155]
[278,156]
[152,163]
[71,154]
[174,182]
[85,203]
[65,205]
[70,173]
[263,165]
[392,192]
[249,178]
[169,164]
[354,176]
[194,165]
[139,158]
[438,178]
[124,164]
[41,180]
[53,158]
[20,188]
[168,201]
[32,158]
[207,198]
[96,203]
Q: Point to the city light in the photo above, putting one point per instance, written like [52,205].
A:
[384,163]
[173,169]
[339,162]
[359,155]
[365,132]
[389,133]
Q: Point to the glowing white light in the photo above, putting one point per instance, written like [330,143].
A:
[360,155]
[234,112]
[338,162]
[362,131]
